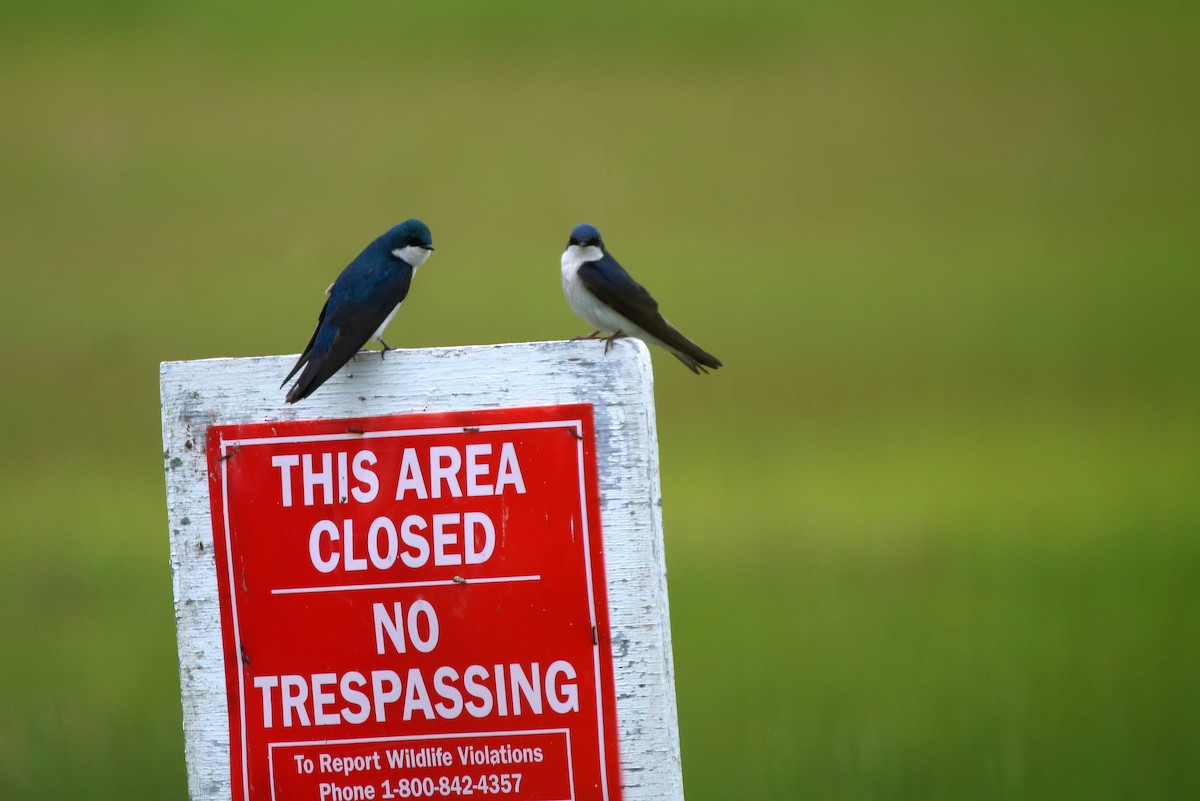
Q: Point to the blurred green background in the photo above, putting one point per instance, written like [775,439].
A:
[933,531]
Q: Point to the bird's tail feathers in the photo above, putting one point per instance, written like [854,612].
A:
[695,357]
[295,369]
[312,377]
[698,361]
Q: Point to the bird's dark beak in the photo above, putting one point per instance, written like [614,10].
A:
[427,247]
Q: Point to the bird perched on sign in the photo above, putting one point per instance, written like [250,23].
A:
[600,291]
[362,301]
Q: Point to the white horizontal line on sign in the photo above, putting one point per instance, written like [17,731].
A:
[409,432]
[402,584]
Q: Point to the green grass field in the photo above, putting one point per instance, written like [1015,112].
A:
[932,533]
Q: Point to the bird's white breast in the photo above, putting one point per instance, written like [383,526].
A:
[379,331]
[415,257]
[412,254]
[583,302]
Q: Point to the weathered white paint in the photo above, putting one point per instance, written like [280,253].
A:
[620,387]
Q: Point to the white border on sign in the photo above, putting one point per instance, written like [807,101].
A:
[575,425]
[566,733]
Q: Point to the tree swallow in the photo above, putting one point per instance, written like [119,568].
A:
[362,301]
[604,295]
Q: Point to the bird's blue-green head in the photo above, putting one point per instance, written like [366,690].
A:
[585,235]
[410,241]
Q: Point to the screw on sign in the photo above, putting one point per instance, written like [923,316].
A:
[414,607]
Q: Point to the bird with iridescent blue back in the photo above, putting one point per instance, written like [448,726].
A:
[601,292]
[361,303]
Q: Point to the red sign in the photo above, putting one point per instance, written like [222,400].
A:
[414,607]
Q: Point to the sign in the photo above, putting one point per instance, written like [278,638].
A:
[309,623]
[414,606]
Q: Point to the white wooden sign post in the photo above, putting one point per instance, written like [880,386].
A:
[440,576]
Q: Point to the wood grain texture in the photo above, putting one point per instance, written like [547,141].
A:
[619,385]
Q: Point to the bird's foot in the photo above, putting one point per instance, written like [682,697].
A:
[592,335]
[386,347]
[608,340]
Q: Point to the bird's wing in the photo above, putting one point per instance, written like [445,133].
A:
[351,317]
[368,297]
[608,281]
[308,348]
